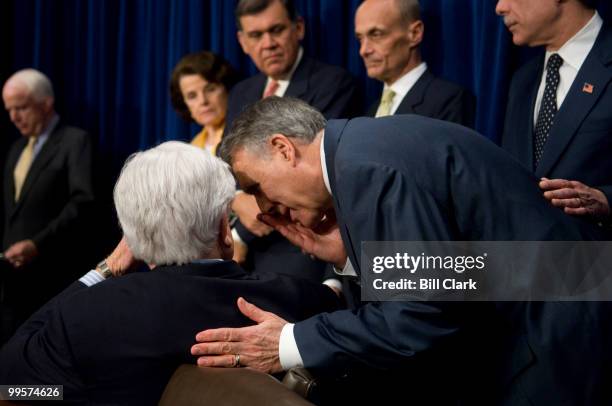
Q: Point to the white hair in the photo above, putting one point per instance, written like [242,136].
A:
[170,201]
[38,84]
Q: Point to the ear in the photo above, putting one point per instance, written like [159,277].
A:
[225,240]
[48,104]
[416,29]
[283,146]
[300,28]
[243,41]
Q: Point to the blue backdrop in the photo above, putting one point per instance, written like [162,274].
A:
[110,60]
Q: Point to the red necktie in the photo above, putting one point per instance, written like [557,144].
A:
[271,89]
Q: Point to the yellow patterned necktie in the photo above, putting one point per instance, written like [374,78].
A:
[23,166]
[384,108]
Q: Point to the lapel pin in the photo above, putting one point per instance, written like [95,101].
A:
[588,88]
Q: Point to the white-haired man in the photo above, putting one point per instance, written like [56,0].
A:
[119,341]
[47,192]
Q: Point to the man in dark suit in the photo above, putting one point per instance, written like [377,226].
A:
[558,119]
[118,341]
[409,178]
[389,34]
[270,33]
[47,193]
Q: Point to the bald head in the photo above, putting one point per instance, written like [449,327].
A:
[389,32]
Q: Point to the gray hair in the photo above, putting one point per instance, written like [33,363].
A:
[170,201]
[38,84]
[273,115]
[409,10]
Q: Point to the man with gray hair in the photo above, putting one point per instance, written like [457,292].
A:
[118,341]
[329,187]
[390,33]
[47,194]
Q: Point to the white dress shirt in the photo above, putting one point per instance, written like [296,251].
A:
[288,352]
[402,86]
[573,52]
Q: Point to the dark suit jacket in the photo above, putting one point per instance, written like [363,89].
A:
[579,145]
[119,341]
[436,98]
[334,93]
[433,180]
[55,201]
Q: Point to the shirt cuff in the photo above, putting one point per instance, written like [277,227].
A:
[333,283]
[288,352]
[91,278]
[348,269]
[236,237]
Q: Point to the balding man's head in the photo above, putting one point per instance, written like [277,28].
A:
[28,98]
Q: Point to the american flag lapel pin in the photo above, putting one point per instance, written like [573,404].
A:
[588,88]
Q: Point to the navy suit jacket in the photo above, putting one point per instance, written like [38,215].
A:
[119,341]
[333,92]
[579,145]
[410,178]
[436,98]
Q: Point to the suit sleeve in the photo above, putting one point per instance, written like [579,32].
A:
[80,188]
[39,352]
[382,334]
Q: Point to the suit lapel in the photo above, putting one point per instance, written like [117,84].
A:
[299,81]
[416,95]
[333,132]
[526,132]
[40,162]
[9,198]
[577,103]
[256,91]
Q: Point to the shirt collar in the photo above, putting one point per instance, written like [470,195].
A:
[577,48]
[42,138]
[403,85]
[324,164]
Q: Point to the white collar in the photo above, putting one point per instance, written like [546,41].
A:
[403,85]
[324,164]
[576,49]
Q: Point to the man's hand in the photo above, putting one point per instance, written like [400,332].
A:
[21,253]
[575,197]
[246,209]
[256,345]
[324,242]
[121,260]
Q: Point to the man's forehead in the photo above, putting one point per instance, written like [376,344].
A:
[264,20]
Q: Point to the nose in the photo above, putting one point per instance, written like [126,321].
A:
[501,8]
[268,41]
[265,205]
[14,116]
[203,98]
[364,48]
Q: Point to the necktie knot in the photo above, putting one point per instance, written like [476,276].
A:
[386,101]
[271,89]
[554,63]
